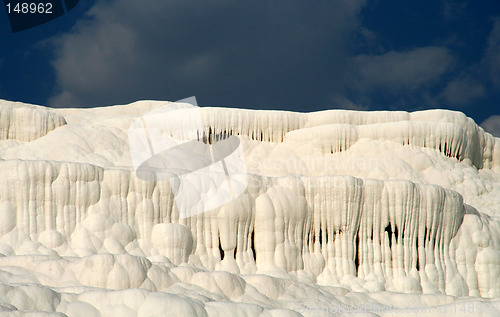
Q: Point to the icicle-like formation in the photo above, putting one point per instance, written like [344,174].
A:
[268,126]
[406,232]
[448,138]
[26,122]
[452,133]
[329,138]
[49,195]
[354,117]
[395,233]
[311,211]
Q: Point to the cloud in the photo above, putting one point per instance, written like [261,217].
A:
[463,91]
[492,125]
[260,54]
[341,101]
[224,52]
[402,70]
[492,54]
[452,9]
[473,82]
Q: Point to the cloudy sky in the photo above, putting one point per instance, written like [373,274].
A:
[281,54]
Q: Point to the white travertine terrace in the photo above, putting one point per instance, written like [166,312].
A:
[342,208]
[25,122]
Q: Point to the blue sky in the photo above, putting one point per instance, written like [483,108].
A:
[289,54]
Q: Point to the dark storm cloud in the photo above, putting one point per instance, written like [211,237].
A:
[453,9]
[224,52]
[492,54]
[396,73]
[295,55]
[462,91]
[492,125]
[474,81]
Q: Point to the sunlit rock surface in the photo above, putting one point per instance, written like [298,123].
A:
[345,212]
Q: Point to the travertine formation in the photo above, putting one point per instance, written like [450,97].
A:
[340,207]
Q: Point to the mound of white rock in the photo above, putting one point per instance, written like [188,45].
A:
[344,212]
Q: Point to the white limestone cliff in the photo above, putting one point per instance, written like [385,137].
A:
[340,207]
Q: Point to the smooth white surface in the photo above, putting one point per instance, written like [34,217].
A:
[374,210]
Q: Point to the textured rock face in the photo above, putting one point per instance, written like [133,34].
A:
[336,202]
[25,122]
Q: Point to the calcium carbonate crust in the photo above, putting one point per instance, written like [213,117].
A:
[345,212]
